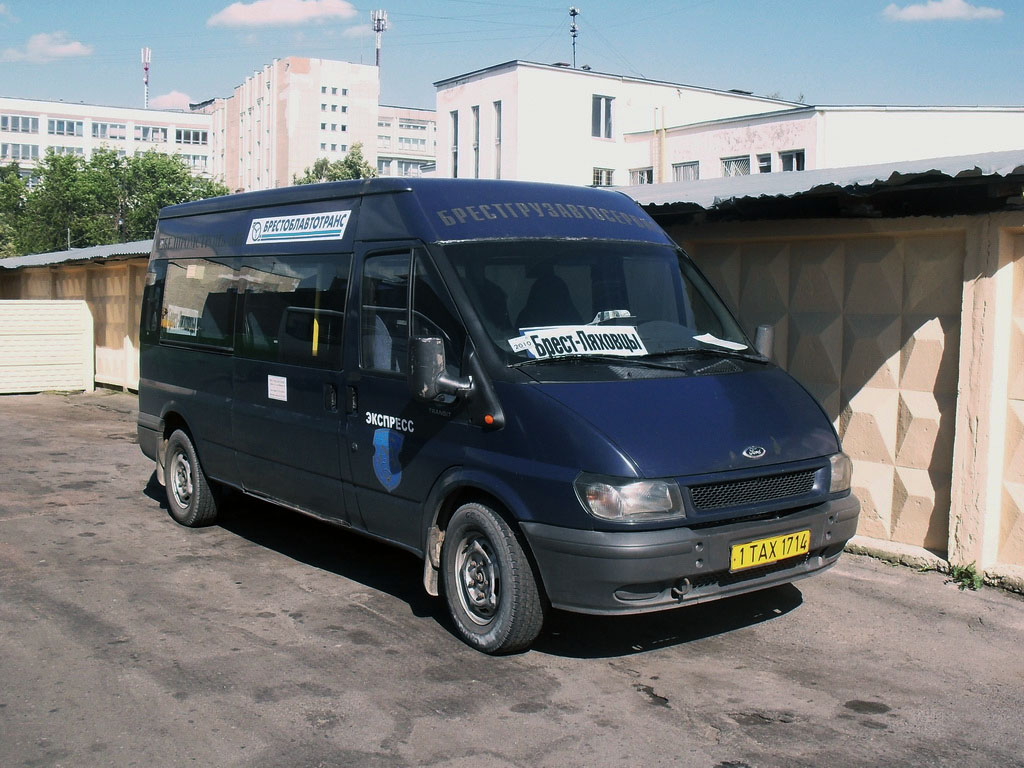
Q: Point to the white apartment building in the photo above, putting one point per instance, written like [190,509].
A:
[287,115]
[809,138]
[539,122]
[406,141]
[30,127]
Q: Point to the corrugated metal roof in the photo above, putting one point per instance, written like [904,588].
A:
[710,193]
[94,253]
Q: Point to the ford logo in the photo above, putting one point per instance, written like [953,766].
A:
[753,452]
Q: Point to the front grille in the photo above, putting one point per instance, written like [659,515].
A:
[754,490]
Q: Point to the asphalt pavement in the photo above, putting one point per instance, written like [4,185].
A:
[276,640]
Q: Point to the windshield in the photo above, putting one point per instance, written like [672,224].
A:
[540,300]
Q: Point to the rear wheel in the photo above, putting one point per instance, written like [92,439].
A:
[190,500]
[489,585]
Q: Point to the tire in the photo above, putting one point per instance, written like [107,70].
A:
[190,500]
[489,586]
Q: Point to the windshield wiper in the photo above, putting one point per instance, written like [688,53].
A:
[717,351]
[606,359]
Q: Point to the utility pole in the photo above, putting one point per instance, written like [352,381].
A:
[147,55]
[574,30]
[380,24]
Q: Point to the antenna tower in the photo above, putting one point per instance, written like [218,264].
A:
[574,30]
[380,24]
[147,56]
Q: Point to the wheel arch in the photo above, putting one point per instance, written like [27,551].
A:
[458,486]
[171,418]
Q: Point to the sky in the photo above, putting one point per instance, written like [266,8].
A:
[824,52]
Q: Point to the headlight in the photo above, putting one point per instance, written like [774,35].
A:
[842,473]
[629,501]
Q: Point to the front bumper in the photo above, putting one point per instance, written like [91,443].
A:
[607,572]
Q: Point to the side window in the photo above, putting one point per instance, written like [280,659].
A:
[384,319]
[293,309]
[199,303]
[152,301]
[433,313]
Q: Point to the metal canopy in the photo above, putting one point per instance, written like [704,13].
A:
[118,251]
[938,186]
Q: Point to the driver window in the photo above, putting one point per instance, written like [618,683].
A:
[433,313]
[384,315]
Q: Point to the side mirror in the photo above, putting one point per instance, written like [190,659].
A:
[427,377]
[764,340]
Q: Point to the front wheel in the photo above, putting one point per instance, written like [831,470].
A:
[190,499]
[489,585]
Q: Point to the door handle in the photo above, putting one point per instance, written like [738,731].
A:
[330,398]
[351,400]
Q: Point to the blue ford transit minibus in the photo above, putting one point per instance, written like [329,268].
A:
[529,386]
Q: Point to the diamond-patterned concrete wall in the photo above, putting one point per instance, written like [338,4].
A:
[1011,522]
[870,325]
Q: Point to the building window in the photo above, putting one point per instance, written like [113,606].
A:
[323,107]
[736,166]
[497,139]
[685,171]
[109,131]
[455,144]
[641,176]
[344,108]
[383,166]
[150,133]
[195,161]
[344,91]
[334,126]
[323,146]
[792,161]
[334,147]
[764,163]
[64,127]
[383,123]
[602,177]
[476,142]
[19,124]
[323,89]
[19,151]
[68,151]
[184,136]
[412,125]
[412,143]
[601,117]
[334,91]
[344,127]
[323,126]
[383,142]
[410,168]
[334,107]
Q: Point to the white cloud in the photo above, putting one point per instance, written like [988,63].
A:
[5,12]
[45,47]
[281,13]
[172,100]
[362,30]
[941,10]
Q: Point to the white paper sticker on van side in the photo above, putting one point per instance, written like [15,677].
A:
[567,340]
[277,388]
[327,225]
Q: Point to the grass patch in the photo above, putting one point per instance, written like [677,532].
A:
[966,577]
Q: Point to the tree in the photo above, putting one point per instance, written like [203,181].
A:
[352,166]
[12,208]
[107,199]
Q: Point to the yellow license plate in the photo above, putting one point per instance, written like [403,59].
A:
[770,550]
